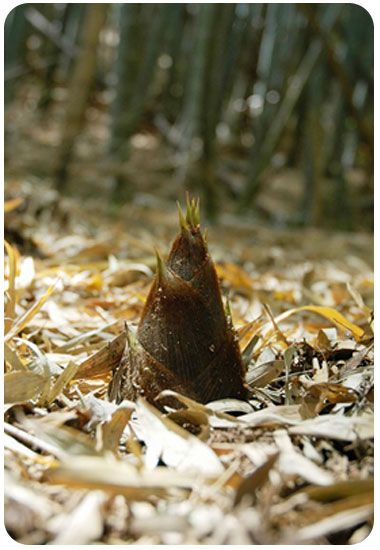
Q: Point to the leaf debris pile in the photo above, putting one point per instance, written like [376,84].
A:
[293,465]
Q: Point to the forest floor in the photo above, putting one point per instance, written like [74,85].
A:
[293,465]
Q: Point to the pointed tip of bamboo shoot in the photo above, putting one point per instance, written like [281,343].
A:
[188,208]
[192,211]
[197,209]
[182,220]
[162,271]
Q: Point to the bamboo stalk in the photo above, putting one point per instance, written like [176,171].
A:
[80,86]
[292,95]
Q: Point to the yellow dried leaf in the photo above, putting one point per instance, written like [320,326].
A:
[20,386]
[113,429]
[24,319]
[13,257]
[329,313]
[355,294]
[248,486]
[234,275]
[103,360]
[63,379]
[118,477]
[12,357]
[341,489]
[95,282]
[12,204]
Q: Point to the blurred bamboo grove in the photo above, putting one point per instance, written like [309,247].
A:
[236,94]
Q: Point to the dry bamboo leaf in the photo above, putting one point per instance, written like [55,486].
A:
[174,445]
[83,337]
[20,492]
[231,405]
[320,395]
[196,418]
[248,351]
[17,447]
[118,477]
[320,373]
[12,358]
[329,313]
[104,360]
[272,416]
[356,360]
[26,317]
[342,428]
[234,275]
[323,341]
[339,490]
[249,485]
[41,362]
[33,440]
[84,524]
[360,534]
[56,418]
[157,524]
[291,462]
[183,508]
[21,386]
[333,523]
[261,375]
[63,379]
[359,301]
[248,331]
[112,430]
[67,440]
[11,303]
[26,273]
[216,418]
[279,334]
[12,204]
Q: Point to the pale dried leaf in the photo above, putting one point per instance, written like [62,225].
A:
[21,386]
[249,485]
[105,359]
[229,404]
[25,319]
[261,375]
[85,523]
[118,477]
[67,440]
[83,337]
[17,447]
[337,522]
[342,428]
[11,304]
[12,357]
[64,378]
[281,415]
[216,418]
[29,497]
[113,429]
[174,445]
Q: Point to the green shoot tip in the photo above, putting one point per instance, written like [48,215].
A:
[182,221]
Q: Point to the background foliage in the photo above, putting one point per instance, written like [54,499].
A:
[267,107]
